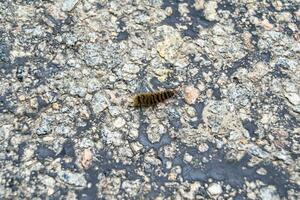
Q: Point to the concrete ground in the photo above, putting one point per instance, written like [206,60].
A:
[69,69]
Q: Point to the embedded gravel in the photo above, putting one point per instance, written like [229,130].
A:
[69,68]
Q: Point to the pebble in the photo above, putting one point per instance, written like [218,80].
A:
[155,132]
[131,187]
[22,97]
[269,192]
[99,103]
[131,68]
[277,5]
[188,157]
[93,85]
[261,171]
[68,5]
[77,90]
[255,150]
[87,158]
[191,192]
[266,24]
[92,55]
[191,94]
[203,147]
[169,11]
[133,134]
[239,95]
[49,182]
[214,189]
[110,185]
[293,98]
[71,178]
[28,153]
[4,131]
[44,127]
[112,137]
[119,122]
[199,4]
[55,106]
[210,10]
[169,46]
[283,155]
[136,147]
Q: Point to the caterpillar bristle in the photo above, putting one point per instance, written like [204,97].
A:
[152,98]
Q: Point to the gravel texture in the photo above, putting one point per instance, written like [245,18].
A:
[69,68]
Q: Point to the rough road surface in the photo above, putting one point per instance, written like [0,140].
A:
[68,69]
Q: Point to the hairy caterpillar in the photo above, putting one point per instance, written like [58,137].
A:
[152,98]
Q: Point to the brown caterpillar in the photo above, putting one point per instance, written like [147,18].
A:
[152,98]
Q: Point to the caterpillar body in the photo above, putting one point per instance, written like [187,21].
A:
[152,98]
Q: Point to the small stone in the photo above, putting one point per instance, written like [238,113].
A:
[28,154]
[151,158]
[205,160]
[136,147]
[293,98]
[239,95]
[44,126]
[66,130]
[277,5]
[93,85]
[77,90]
[191,94]
[109,185]
[247,37]
[168,48]
[266,24]
[251,195]
[174,173]
[235,135]
[49,182]
[261,171]
[183,9]
[169,11]
[125,151]
[55,106]
[68,5]
[284,155]
[203,147]
[260,69]
[131,68]
[22,97]
[210,10]
[269,192]
[188,157]
[72,178]
[133,134]
[131,187]
[99,103]
[34,103]
[87,158]
[5,132]
[199,4]
[155,132]
[92,54]
[191,191]
[191,111]
[86,143]
[112,137]
[119,122]
[214,189]
[256,151]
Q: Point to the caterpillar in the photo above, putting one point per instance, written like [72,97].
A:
[152,98]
